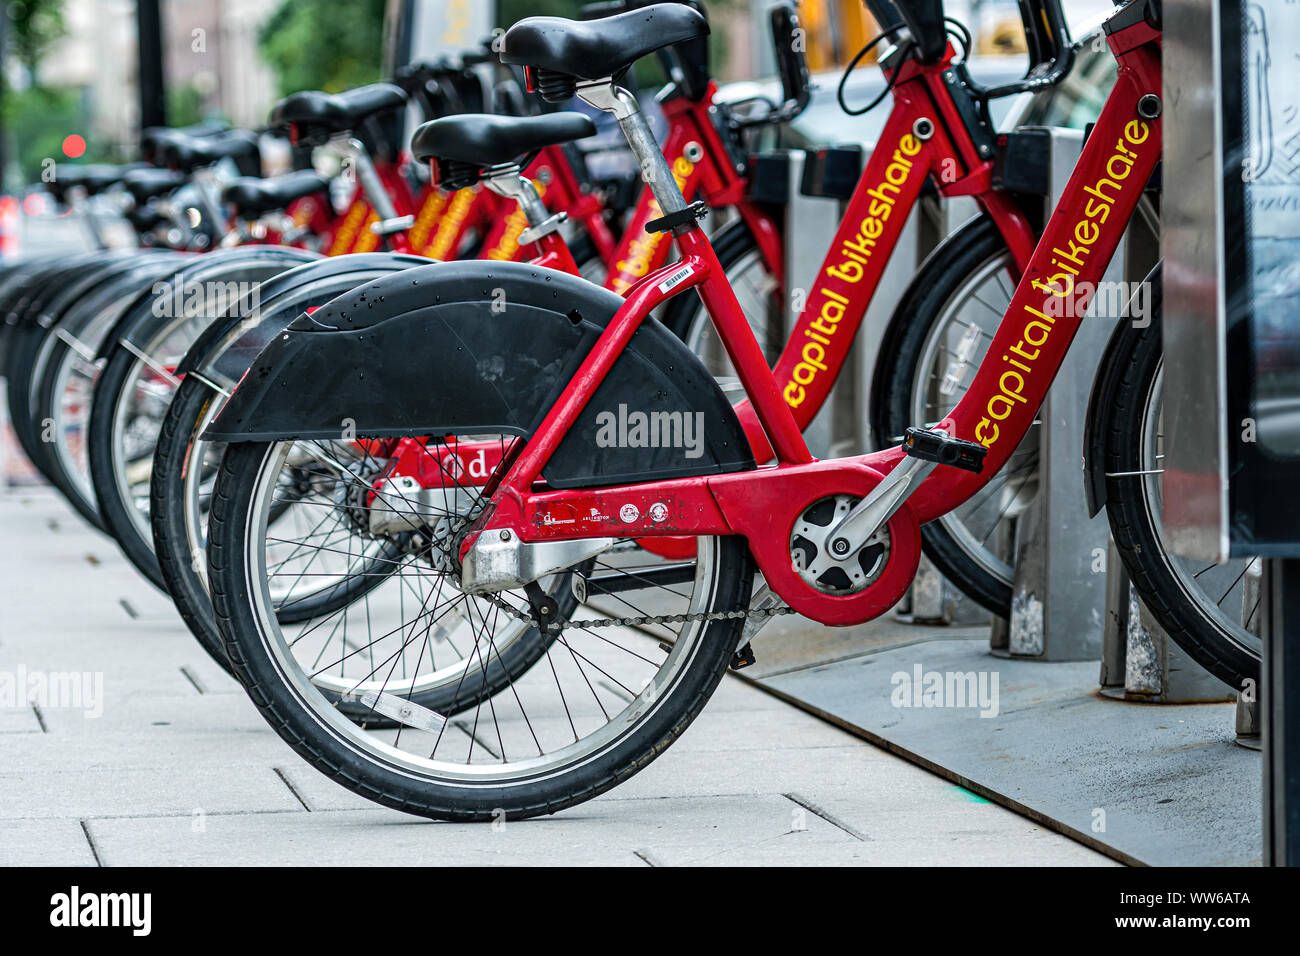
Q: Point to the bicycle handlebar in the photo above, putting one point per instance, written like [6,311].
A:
[791,67]
[1047,37]
[924,21]
[1051,54]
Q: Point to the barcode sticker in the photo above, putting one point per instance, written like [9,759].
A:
[677,278]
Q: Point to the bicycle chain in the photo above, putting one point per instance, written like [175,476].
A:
[557,627]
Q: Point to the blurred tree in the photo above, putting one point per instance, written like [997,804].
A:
[185,105]
[37,120]
[34,26]
[324,44]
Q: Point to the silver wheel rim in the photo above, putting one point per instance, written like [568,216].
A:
[953,349]
[378,748]
[165,348]
[196,460]
[753,287]
[1226,611]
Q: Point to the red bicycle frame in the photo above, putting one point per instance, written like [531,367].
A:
[1032,340]
[703,169]
[886,192]
[701,165]
[443,221]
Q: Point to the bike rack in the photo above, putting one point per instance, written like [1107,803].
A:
[1071,600]
[1059,591]
[807,217]
[1139,661]
[1249,726]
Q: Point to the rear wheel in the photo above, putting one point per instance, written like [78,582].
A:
[598,703]
[130,401]
[184,469]
[64,396]
[185,466]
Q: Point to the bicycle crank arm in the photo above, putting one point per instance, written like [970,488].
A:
[925,449]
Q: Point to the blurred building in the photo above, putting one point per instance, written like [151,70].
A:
[211,60]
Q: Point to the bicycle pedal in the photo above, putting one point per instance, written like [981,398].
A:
[935,446]
[743,657]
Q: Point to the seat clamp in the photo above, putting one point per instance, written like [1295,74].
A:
[542,229]
[690,215]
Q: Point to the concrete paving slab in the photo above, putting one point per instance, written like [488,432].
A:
[136,713]
[45,843]
[180,768]
[84,794]
[19,720]
[670,830]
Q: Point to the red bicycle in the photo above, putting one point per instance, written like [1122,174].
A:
[576,430]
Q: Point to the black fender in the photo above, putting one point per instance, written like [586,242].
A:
[170,298]
[227,347]
[83,325]
[27,306]
[452,349]
[1105,389]
[75,304]
[65,291]
[118,293]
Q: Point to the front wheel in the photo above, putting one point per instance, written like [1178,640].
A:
[1205,607]
[934,344]
[597,704]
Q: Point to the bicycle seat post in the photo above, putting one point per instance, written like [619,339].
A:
[373,188]
[368,177]
[604,95]
[511,183]
[207,181]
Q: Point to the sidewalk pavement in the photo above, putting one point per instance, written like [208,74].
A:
[180,769]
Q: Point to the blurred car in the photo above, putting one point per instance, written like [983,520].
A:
[824,122]
[1077,100]
[1073,103]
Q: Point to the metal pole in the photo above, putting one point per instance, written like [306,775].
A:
[4,92]
[153,99]
[1281,712]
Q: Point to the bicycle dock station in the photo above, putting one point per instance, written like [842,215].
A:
[1065,723]
[576,375]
